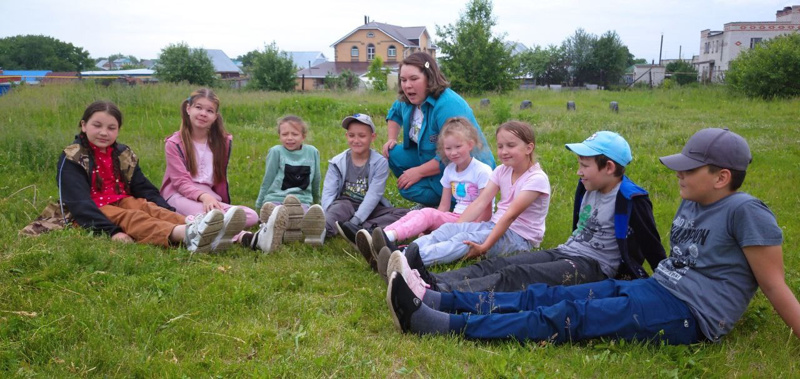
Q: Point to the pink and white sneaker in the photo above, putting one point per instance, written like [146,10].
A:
[398,263]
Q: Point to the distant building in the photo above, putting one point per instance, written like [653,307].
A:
[358,48]
[60,77]
[223,65]
[306,59]
[652,74]
[718,48]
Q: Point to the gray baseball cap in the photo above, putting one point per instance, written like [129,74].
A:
[714,146]
[360,117]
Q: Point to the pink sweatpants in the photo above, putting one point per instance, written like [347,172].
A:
[421,221]
[189,207]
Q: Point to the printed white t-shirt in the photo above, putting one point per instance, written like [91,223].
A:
[466,185]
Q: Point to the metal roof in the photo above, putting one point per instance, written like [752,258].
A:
[134,72]
[221,61]
[28,76]
[301,58]
[323,69]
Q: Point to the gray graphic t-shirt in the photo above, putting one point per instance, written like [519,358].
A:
[594,236]
[707,267]
[356,181]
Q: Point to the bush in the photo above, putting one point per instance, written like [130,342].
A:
[682,72]
[771,69]
[272,70]
[179,62]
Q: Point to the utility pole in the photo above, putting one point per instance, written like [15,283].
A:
[660,48]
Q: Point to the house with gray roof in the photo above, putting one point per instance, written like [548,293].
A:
[306,59]
[223,65]
[359,47]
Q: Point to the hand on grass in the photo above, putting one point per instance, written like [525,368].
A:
[122,237]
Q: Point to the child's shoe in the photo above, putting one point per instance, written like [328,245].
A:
[232,224]
[294,209]
[266,211]
[270,234]
[348,231]
[364,244]
[200,234]
[314,225]
[379,240]
[383,263]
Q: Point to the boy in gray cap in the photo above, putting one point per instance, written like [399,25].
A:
[352,193]
[725,244]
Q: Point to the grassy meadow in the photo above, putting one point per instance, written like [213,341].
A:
[76,304]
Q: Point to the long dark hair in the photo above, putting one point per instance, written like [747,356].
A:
[111,109]
[436,81]
[217,136]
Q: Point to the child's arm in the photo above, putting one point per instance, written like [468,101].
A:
[330,187]
[75,195]
[767,265]
[141,187]
[444,203]
[270,173]
[375,190]
[176,170]
[477,207]
[521,202]
[487,212]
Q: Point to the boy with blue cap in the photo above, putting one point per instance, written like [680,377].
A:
[725,245]
[613,233]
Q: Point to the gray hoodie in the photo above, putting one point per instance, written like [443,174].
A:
[334,183]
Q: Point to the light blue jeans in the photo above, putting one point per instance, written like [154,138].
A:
[446,244]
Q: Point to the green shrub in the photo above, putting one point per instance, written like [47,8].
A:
[771,69]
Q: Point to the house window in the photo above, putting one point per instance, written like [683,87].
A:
[392,52]
[370,34]
[705,51]
[754,42]
[354,51]
[370,52]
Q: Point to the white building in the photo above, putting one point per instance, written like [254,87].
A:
[718,48]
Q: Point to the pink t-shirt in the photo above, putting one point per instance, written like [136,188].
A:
[205,164]
[530,223]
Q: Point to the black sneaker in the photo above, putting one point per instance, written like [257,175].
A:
[364,244]
[379,241]
[415,262]
[348,231]
[401,301]
[383,263]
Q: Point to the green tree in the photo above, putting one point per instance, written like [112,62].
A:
[546,65]
[682,72]
[273,70]
[179,62]
[771,69]
[32,52]
[378,74]
[609,58]
[578,50]
[472,59]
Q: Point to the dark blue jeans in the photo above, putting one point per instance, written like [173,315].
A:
[632,310]
[428,190]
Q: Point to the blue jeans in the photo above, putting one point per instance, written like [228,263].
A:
[640,309]
[446,244]
[428,190]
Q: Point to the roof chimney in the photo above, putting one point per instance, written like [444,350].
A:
[366,19]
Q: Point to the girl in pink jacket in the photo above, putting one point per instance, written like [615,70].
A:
[197,155]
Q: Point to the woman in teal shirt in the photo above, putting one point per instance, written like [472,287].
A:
[425,103]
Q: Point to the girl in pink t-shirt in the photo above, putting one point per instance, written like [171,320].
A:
[195,180]
[518,223]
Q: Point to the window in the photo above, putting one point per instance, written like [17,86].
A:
[754,42]
[370,34]
[370,52]
[705,51]
[392,52]
[354,51]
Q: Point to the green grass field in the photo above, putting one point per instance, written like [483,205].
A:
[76,304]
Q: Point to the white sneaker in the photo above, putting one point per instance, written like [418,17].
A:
[200,234]
[232,224]
[270,234]
[399,264]
[314,225]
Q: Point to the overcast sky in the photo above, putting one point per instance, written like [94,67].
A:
[143,27]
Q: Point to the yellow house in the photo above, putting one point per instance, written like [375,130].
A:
[358,48]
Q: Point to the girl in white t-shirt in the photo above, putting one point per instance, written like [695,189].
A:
[518,223]
[463,179]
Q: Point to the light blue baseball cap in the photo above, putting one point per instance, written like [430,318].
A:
[610,144]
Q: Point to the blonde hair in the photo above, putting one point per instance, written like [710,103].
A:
[461,127]
[295,121]
[521,130]
[217,136]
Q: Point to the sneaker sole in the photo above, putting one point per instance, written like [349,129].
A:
[395,263]
[314,226]
[266,211]
[383,262]
[378,242]
[389,302]
[231,227]
[279,220]
[208,231]
[364,244]
[294,209]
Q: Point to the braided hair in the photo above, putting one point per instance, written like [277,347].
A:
[112,110]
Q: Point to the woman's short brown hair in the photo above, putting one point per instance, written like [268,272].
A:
[425,63]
